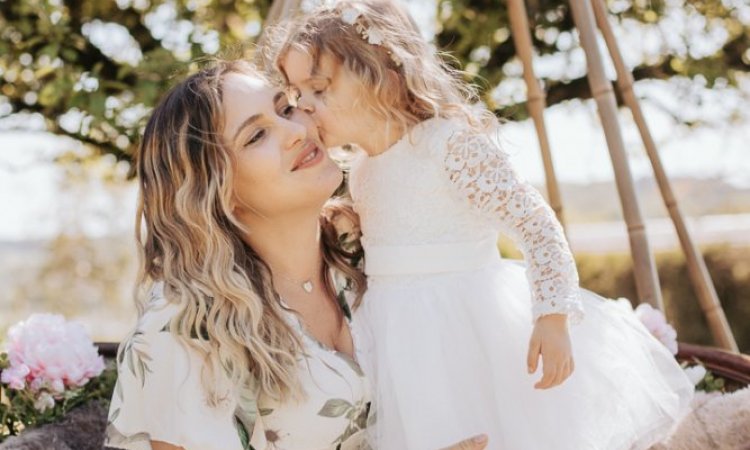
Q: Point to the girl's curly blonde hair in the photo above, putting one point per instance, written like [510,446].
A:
[425,85]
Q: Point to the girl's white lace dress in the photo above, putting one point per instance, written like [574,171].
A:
[445,323]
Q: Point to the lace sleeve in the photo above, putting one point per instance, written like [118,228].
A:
[484,176]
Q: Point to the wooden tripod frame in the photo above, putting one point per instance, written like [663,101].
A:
[586,14]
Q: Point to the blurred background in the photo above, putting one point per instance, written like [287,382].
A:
[78,79]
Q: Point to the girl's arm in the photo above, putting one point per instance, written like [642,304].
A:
[485,177]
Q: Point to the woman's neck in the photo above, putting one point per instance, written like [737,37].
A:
[289,246]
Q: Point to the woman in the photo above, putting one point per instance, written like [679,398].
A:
[240,339]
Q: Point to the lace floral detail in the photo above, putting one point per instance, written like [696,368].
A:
[483,174]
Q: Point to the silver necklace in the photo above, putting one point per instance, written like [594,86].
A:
[306,285]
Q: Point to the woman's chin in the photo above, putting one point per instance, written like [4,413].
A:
[333,182]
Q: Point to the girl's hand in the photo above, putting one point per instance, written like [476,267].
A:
[475,443]
[551,340]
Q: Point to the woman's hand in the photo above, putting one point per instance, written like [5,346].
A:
[159,445]
[551,340]
[475,443]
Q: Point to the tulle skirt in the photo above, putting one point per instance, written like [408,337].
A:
[447,356]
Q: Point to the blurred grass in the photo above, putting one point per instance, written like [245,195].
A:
[91,280]
[611,275]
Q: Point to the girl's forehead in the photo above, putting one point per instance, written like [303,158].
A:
[297,65]
[300,66]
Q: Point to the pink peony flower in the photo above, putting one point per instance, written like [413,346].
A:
[657,325]
[47,353]
[15,376]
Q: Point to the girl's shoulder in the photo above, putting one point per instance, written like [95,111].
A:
[436,136]
[439,128]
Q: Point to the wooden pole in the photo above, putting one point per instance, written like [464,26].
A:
[644,267]
[536,100]
[697,271]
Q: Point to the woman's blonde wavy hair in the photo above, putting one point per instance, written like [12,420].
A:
[189,239]
[426,85]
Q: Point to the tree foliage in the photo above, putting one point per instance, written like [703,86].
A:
[94,68]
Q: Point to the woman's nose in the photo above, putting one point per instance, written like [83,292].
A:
[296,132]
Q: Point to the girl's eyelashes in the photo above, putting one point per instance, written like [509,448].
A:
[319,86]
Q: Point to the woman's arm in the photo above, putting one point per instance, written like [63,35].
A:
[475,443]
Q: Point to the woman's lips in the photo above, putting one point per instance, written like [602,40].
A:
[310,156]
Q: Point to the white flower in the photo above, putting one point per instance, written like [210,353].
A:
[44,402]
[350,15]
[656,323]
[374,36]
[695,373]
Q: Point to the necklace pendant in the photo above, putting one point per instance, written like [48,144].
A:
[307,286]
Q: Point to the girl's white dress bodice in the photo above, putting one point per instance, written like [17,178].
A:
[160,396]
[445,323]
[444,183]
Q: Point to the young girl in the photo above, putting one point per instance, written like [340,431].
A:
[453,333]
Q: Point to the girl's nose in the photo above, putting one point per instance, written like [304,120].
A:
[305,105]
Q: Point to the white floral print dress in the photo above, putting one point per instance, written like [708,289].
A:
[159,396]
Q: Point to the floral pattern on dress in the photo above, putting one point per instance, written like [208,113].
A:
[336,404]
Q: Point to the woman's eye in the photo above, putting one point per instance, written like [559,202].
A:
[287,110]
[256,137]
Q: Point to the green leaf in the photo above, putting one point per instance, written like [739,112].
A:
[50,50]
[49,95]
[69,54]
[336,407]
[351,363]
[97,102]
